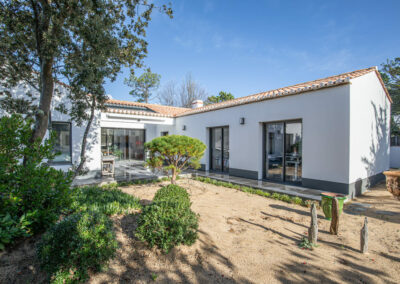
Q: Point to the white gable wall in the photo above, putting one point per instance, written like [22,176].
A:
[369,128]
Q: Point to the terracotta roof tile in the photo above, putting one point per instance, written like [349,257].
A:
[158,110]
[168,111]
[290,90]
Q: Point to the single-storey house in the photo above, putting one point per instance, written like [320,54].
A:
[331,134]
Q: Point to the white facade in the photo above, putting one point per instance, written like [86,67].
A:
[345,133]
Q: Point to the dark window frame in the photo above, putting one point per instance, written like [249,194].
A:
[144,138]
[265,154]
[223,168]
[52,162]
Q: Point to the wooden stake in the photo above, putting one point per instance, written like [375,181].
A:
[364,236]
[313,230]
[335,217]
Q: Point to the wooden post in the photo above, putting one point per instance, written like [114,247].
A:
[364,236]
[335,217]
[313,230]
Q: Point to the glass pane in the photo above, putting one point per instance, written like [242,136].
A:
[125,144]
[274,151]
[226,148]
[216,149]
[62,144]
[293,150]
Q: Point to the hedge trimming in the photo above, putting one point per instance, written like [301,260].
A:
[282,197]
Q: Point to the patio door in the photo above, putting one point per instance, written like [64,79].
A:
[125,144]
[283,151]
[219,149]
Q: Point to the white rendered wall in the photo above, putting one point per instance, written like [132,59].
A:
[369,128]
[325,117]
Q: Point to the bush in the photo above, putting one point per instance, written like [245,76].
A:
[174,193]
[33,193]
[11,229]
[80,242]
[108,200]
[168,220]
[174,153]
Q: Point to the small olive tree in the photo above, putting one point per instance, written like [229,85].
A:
[175,153]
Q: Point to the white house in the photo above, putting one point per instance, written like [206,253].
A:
[330,134]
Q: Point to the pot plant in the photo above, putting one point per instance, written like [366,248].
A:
[326,203]
[392,182]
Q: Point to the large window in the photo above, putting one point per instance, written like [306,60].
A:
[125,144]
[63,142]
[219,154]
[283,151]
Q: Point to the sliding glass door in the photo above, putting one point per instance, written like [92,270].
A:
[125,144]
[283,151]
[219,149]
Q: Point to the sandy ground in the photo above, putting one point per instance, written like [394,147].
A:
[246,238]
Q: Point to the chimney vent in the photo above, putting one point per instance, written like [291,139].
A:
[197,103]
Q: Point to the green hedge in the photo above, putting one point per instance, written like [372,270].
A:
[282,197]
[107,199]
[168,221]
[80,242]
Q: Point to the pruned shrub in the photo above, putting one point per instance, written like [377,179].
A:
[78,243]
[168,221]
[107,199]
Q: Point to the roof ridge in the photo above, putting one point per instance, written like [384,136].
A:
[298,88]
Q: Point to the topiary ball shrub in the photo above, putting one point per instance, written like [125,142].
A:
[78,243]
[168,221]
[173,192]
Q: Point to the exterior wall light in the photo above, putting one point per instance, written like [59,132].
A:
[242,120]
[184,127]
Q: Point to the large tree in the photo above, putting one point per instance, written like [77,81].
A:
[222,97]
[40,42]
[143,86]
[391,77]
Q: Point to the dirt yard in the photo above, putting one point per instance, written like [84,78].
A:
[246,238]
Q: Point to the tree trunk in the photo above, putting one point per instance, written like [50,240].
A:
[46,95]
[84,139]
[335,217]
[173,177]
[313,230]
[364,236]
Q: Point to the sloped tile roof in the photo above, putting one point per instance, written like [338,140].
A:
[291,90]
[155,110]
[168,111]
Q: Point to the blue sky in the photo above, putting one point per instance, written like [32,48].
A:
[246,47]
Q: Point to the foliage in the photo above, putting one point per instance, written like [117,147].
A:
[282,197]
[175,153]
[33,194]
[168,221]
[11,229]
[82,41]
[306,244]
[80,242]
[173,192]
[391,77]
[108,200]
[143,85]
[222,97]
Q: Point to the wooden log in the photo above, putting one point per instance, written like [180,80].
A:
[364,236]
[313,230]
[335,217]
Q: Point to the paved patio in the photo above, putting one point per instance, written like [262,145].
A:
[135,170]
[291,190]
[124,171]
